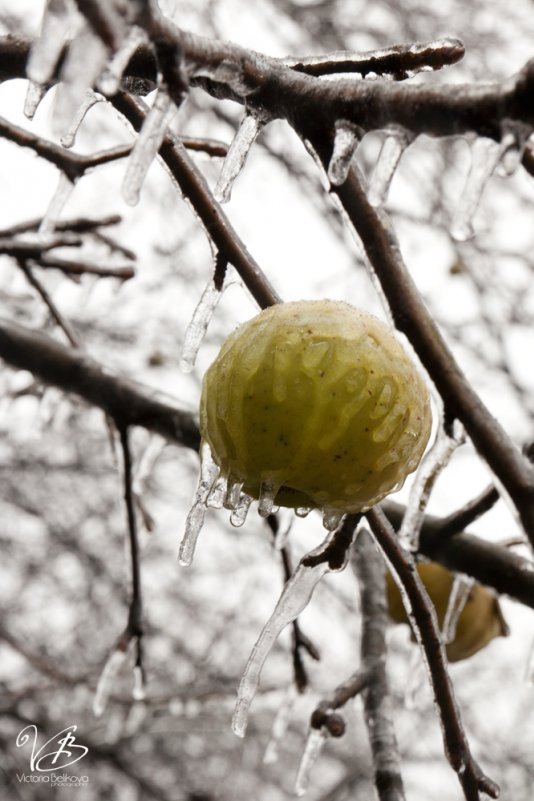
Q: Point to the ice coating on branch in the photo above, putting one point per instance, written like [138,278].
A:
[34,94]
[110,80]
[112,667]
[346,141]
[388,160]
[90,99]
[195,519]
[461,587]
[47,48]
[236,157]
[486,156]
[240,511]
[218,493]
[201,319]
[315,743]
[295,597]
[434,461]
[147,145]
[63,191]
[85,60]
[280,725]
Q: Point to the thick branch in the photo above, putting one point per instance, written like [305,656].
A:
[128,403]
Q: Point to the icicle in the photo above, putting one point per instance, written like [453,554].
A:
[201,318]
[434,461]
[63,191]
[461,587]
[346,141]
[218,493]
[237,155]
[90,100]
[240,511]
[392,149]
[280,725]
[84,62]
[195,519]
[147,145]
[268,490]
[110,80]
[515,137]
[138,690]
[294,598]
[233,493]
[112,667]
[314,745]
[34,94]
[332,519]
[302,511]
[47,48]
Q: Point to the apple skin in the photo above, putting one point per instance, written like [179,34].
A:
[480,621]
[319,400]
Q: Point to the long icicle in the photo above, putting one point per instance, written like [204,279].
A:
[236,157]
[388,160]
[315,743]
[209,472]
[90,99]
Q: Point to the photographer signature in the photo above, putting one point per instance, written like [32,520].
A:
[65,749]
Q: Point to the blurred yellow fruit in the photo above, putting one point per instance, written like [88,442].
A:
[320,402]
[480,621]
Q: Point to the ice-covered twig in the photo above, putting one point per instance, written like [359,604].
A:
[223,277]
[346,140]
[63,191]
[145,466]
[393,147]
[330,556]
[398,61]
[368,566]
[459,520]
[109,673]
[147,144]
[53,309]
[90,99]
[459,595]
[435,460]
[423,619]
[209,472]
[236,157]
[34,94]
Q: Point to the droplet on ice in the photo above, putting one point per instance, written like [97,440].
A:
[332,518]
[240,511]
[461,587]
[147,145]
[268,490]
[346,141]
[432,464]
[112,667]
[302,511]
[294,598]
[34,94]
[209,472]
[314,745]
[201,319]
[63,191]
[392,149]
[236,157]
[90,99]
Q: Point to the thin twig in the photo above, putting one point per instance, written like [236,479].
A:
[81,267]
[457,750]
[369,569]
[459,520]
[53,309]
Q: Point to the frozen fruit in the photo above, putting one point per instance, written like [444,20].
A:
[318,402]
